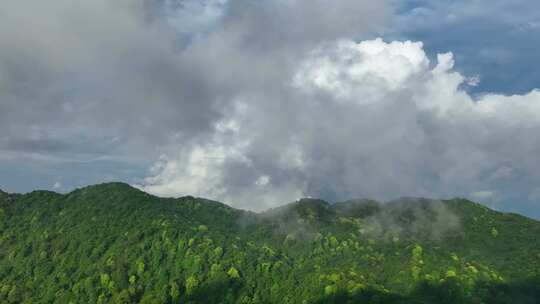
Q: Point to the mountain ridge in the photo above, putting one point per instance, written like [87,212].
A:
[113,243]
[366,202]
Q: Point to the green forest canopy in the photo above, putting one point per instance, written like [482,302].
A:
[112,243]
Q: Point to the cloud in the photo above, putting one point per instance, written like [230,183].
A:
[288,23]
[100,76]
[484,195]
[57,185]
[194,17]
[342,70]
[370,119]
[130,80]
[110,71]
[424,213]
[255,103]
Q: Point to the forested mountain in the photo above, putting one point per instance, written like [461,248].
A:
[112,243]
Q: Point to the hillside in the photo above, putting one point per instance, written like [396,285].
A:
[112,243]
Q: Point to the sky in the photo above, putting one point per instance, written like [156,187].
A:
[257,103]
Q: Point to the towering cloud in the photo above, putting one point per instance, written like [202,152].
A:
[368,119]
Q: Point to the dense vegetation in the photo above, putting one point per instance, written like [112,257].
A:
[114,244]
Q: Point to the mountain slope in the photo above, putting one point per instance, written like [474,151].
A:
[112,243]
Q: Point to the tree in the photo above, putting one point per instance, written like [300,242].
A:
[233,273]
[191,284]
[13,295]
[175,291]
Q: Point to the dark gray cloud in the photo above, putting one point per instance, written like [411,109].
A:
[104,79]
[95,76]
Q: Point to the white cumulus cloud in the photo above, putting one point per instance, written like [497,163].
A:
[368,119]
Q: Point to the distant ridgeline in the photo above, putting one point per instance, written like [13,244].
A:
[112,243]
